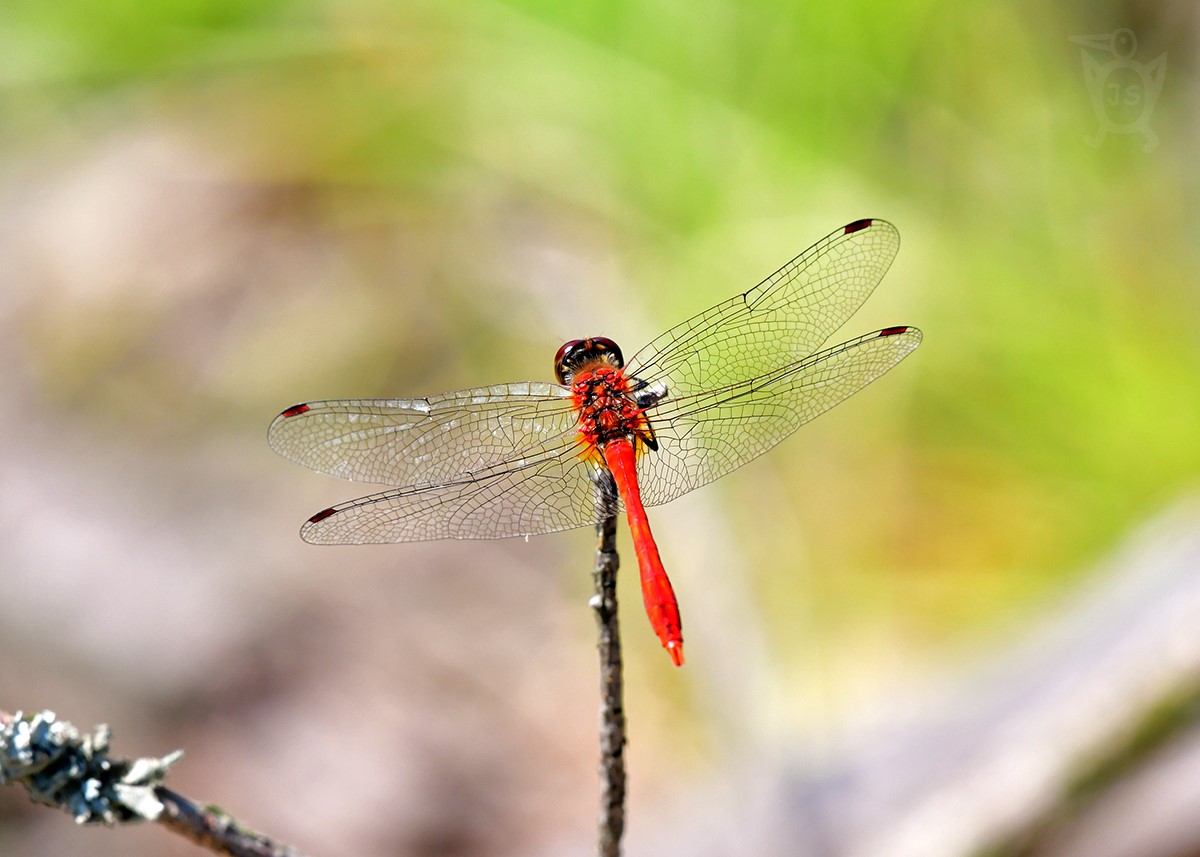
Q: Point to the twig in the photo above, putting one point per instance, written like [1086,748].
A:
[612,706]
[212,828]
[61,766]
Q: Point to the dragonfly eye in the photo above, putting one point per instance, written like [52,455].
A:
[580,352]
[567,353]
[604,347]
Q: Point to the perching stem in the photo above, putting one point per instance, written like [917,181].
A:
[612,706]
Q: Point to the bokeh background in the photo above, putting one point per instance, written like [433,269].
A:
[907,627]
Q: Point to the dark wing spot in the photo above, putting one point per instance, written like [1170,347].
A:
[295,411]
[892,331]
[857,226]
[321,516]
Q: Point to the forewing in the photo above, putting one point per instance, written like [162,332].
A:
[423,441]
[783,319]
[548,492]
[705,436]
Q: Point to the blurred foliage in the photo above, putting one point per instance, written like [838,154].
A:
[460,187]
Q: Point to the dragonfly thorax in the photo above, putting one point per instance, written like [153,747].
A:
[607,409]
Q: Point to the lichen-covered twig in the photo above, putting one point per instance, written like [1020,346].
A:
[60,766]
[612,706]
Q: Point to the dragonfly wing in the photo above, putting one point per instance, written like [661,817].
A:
[546,493]
[430,440]
[707,435]
[783,319]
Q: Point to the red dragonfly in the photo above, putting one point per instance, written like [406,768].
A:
[702,399]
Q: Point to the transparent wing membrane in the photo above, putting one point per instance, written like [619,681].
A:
[543,495]
[785,318]
[435,439]
[707,435]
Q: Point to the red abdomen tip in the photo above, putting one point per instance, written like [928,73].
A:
[295,411]
[675,650]
[892,331]
[857,226]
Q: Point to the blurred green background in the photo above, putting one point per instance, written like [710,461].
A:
[209,210]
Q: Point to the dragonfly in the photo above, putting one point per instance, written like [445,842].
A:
[707,396]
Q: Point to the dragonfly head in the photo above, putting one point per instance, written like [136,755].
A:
[577,353]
